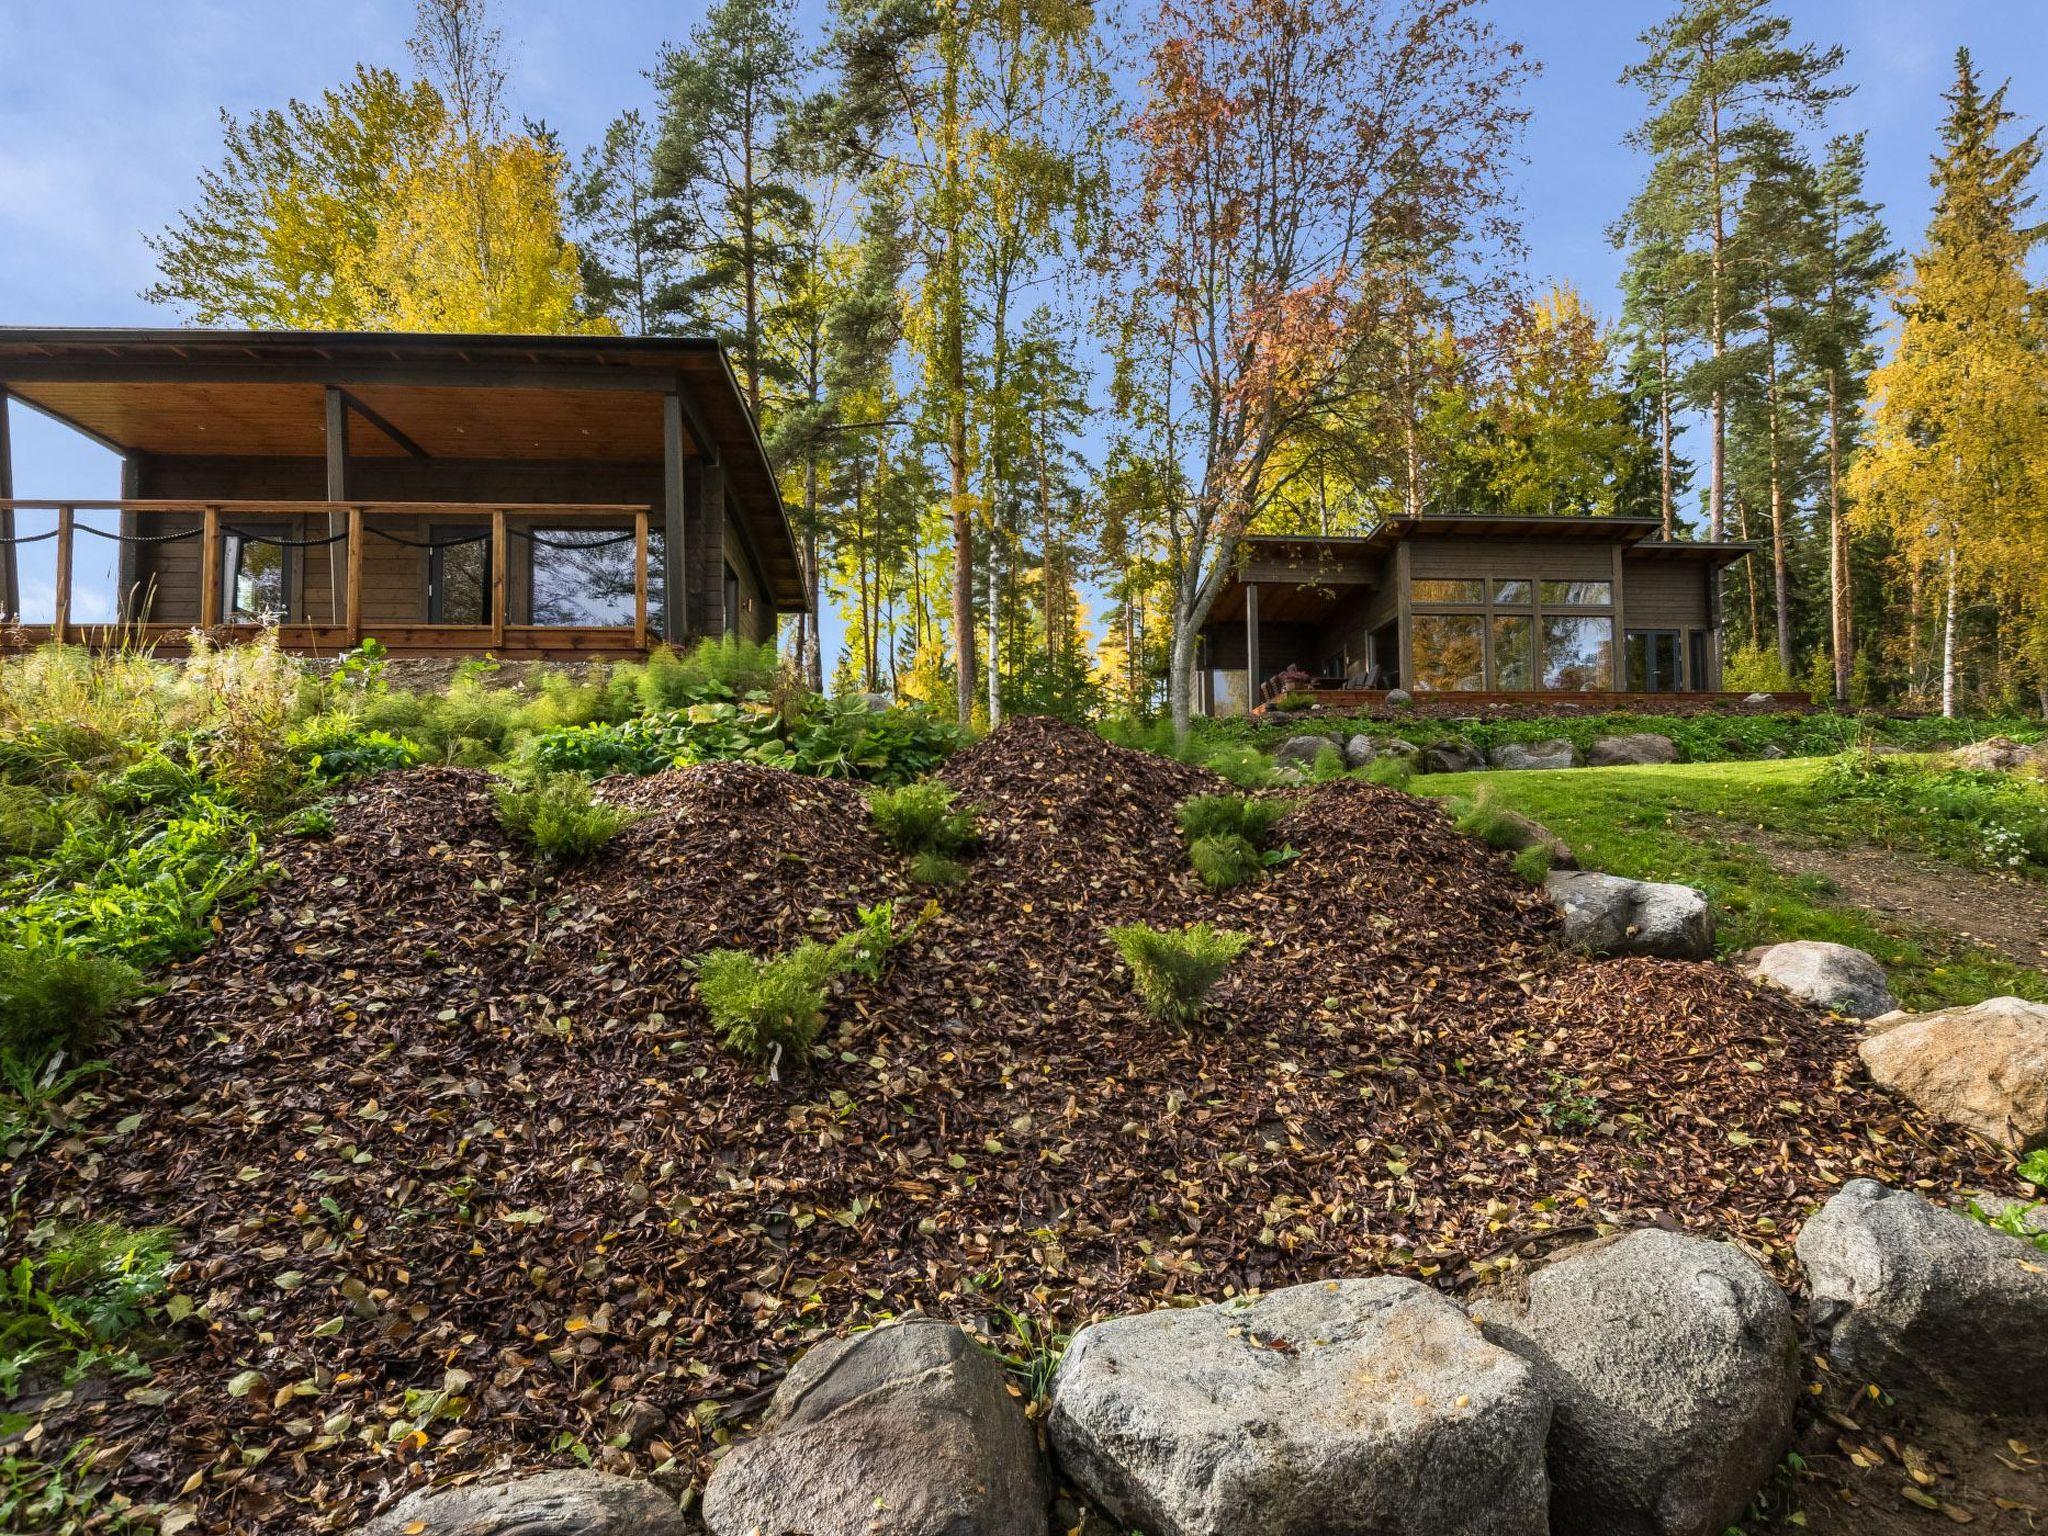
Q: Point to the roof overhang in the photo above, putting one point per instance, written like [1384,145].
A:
[459,397]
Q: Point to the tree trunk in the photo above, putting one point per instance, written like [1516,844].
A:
[1664,424]
[1948,644]
[1781,596]
[1180,674]
[1838,547]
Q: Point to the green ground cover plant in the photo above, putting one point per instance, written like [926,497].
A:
[923,818]
[558,818]
[1226,837]
[1174,970]
[768,1007]
[1685,822]
[67,1305]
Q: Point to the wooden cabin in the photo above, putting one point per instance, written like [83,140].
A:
[1495,609]
[523,496]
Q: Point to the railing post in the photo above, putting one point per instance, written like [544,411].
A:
[209,568]
[498,579]
[640,579]
[63,625]
[355,576]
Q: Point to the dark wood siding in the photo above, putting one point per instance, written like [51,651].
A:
[1665,594]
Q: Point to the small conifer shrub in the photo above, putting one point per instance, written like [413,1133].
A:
[1174,970]
[558,818]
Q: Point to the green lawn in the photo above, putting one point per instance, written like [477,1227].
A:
[1658,824]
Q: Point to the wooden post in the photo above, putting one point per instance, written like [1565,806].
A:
[1251,647]
[674,496]
[10,568]
[63,626]
[355,576]
[1618,644]
[640,531]
[209,568]
[337,490]
[498,579]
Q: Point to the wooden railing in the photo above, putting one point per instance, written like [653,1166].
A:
[356,519]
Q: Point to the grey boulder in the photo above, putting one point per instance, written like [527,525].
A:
[1555,753]
[1984,1067]
[1400,747]
[1399,698]
[572,1503]
[1338,1408]
[1837,977]
[1635,749]
[1359,751]
[905,1430]
[1452,756]
[1302,751]
[1927,1301]
[2000,753]
[1608,915]
[1673,1364]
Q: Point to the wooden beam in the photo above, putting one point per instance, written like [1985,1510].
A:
[65,518]
[384,426]
[10,567]
[640,539]
[1404,617]
[709,508]
[1252,679]
[674,473]
[497,579]
[1619,647]
[355,577]
[209,568]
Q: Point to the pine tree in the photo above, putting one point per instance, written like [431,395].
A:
[1723,81]
[1854,261]
[1958,457]
[723,158]
[618,221]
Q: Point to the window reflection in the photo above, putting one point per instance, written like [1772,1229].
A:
[1515,592]
[1578,654]
[1578,594]
[582,576]
[1438,590]
[1449,652]
[1513,654]
[257,578]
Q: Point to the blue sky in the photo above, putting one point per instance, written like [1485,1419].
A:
[109,108]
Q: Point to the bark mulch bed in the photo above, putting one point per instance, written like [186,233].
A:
[462,1179]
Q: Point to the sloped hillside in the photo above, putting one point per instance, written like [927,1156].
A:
[462,1178]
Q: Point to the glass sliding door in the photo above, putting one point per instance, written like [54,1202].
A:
[1652,661]
[459,575]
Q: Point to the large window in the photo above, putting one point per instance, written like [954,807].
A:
[1578,594]
[582,576]
[1578,653]
[1514,653]
[256,574]
[1450,652]
[1434,590]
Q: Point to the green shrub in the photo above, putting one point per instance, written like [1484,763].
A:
[57,999]
[79,1292]
[762,1007]
[558,818]
[1532,864]
[1174,971]
[1754,669]
[315,823]
[337,746]
[1251,818]
[1329,764]
[1224,860]
[1243,765]
[31,821]
[864,950]
[922,818]
[936,869]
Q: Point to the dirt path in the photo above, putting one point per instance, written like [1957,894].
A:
[2001,913]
